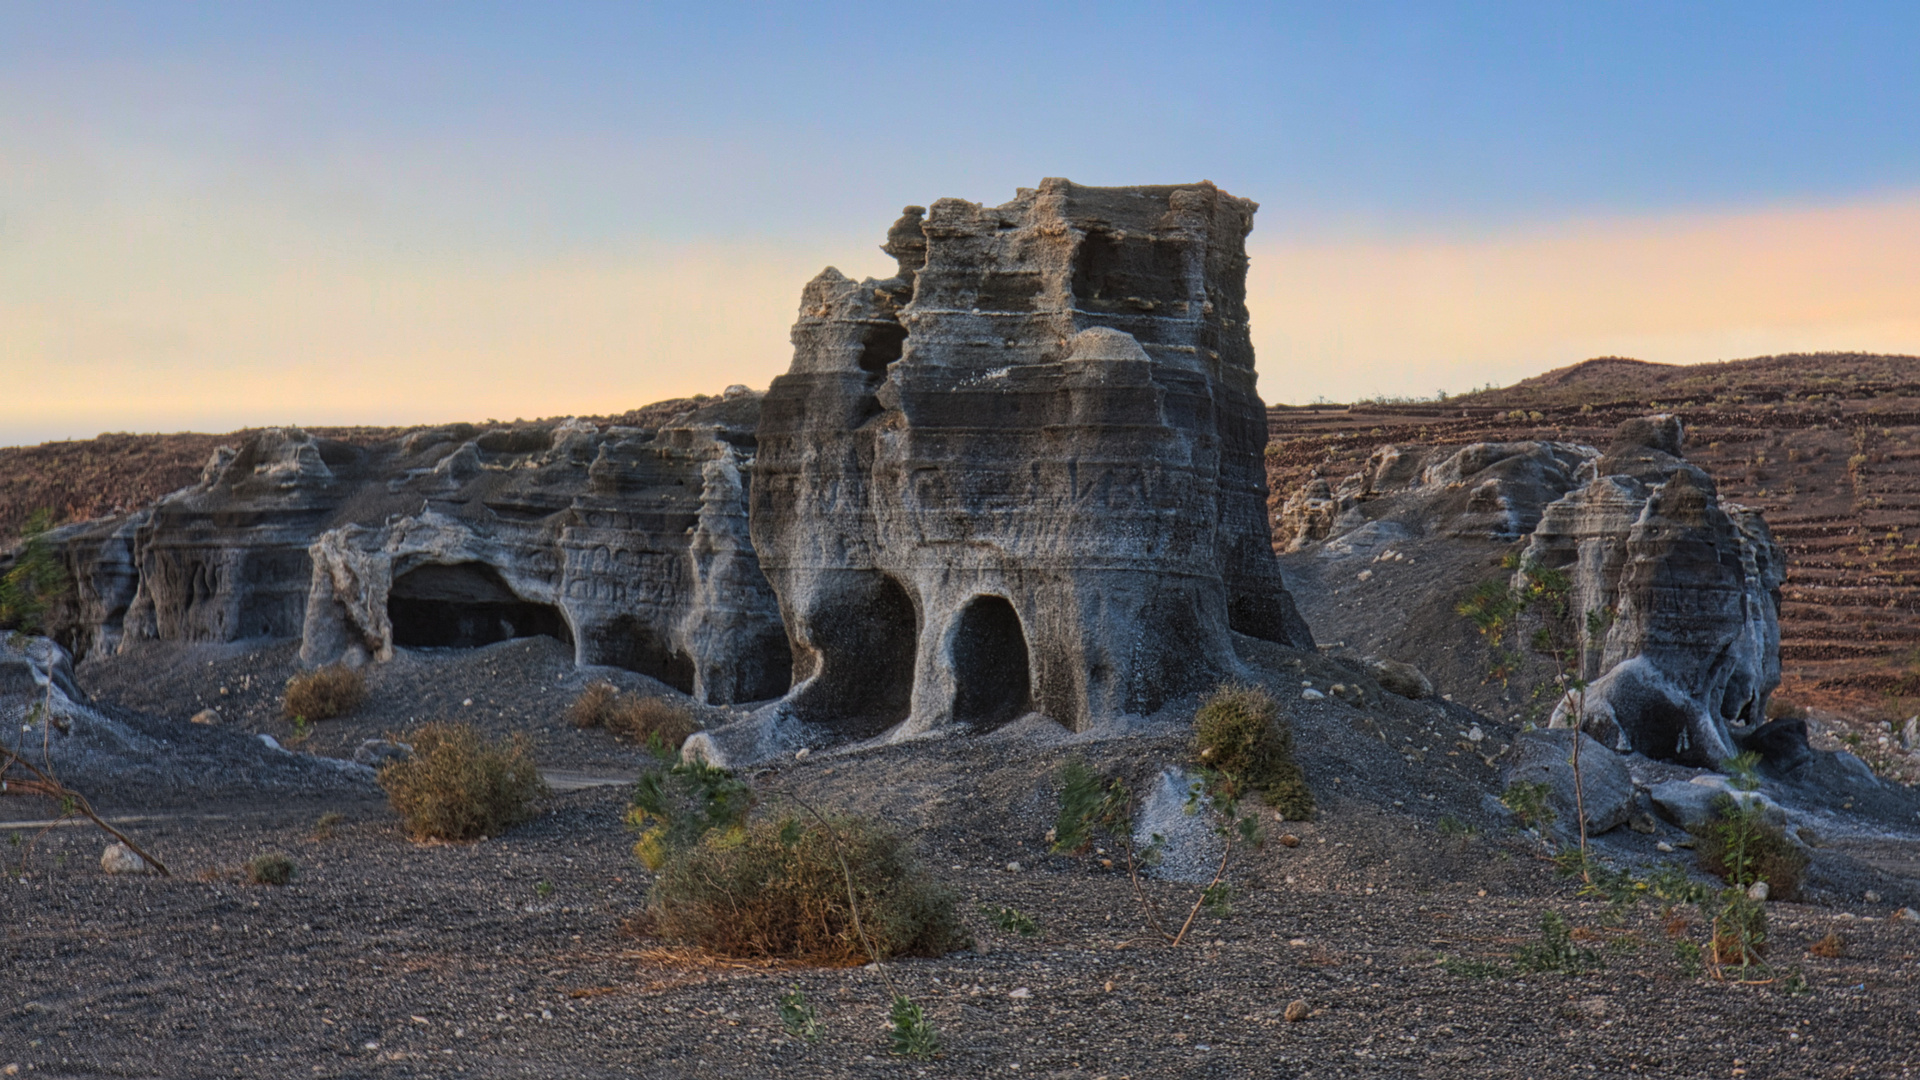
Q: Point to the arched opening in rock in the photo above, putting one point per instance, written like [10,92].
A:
[881,344]
[629,643]
[864,631]
[992,683]
[463,606]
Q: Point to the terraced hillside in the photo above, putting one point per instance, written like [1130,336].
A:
[1828,446]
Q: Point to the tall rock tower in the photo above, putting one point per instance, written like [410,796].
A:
[1025,473]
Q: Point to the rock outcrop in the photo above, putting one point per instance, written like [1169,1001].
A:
[1685,667]
[1682,671]
[1025,472]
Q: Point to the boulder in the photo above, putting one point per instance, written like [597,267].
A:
[121,859]
[1692,803]
[1400,678]
[1177,822]
[1606,788]
[374,753]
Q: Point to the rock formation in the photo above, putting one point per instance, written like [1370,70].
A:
[1693,651]
[1024,473]
[1685,667]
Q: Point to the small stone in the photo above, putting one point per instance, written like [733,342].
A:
[1289,840]
[209,717]
[801,754]
[121,859]
[1310,694]
[1364,575]
[1297,1010]
[1905,914]
[1474,734]
[1663,847]
[467,702]
[1020,992]
[1013,868]
[378,752]
[1870,896]
[1757,891]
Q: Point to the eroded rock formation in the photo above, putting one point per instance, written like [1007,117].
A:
[1024,473]
[1684,668]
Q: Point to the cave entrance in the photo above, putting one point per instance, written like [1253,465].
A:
[992,685]
[865,630]
[632,644]
[464,606]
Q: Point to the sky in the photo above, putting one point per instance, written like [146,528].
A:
[223,215]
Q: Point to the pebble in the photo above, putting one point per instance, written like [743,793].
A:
[1757,891]
[1310,694]
[1474,734]
[1289,840]
[1870,896]
[1297,1010]
[1906,914]
[801,754]
[1013,868]
[1664,847]
[209,717]
[1020,992]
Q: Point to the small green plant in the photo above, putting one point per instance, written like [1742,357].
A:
[1743,770]
[270,868]
[1555,950]
[1740,846]
[1453,828]
[1529,802]
[1245,744]
[675,807]
[323,694]
[323,828]
[1217,900]
[459,786]
[1010,921]
[301,731]
[543,888]
[1688,956]
[1739,934]
[28,589]
[799,1017]
[913,1033]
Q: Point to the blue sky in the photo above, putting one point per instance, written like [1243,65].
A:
[315,197]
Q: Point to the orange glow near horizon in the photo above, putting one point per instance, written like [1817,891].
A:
[180,329]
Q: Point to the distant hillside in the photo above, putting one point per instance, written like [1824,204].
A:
[1616,379]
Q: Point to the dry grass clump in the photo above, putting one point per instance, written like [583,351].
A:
[324,693]
[459,786]
[1240,735]
[777,889]
[270,868]
[631,716]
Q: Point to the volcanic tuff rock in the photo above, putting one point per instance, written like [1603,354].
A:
[1024,473]
[1693,650]
[1683,670]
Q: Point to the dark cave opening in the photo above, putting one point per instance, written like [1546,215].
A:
[631,644]
[464,606]
[865,632]
[881,344]
[990,666]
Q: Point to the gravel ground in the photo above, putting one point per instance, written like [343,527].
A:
[520,955]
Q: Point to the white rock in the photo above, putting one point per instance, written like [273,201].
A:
[1310,694]
[210,717]
[1474,734]
[121,859]
[801,754]
[1664,847]
[1020,992]
[1757,891]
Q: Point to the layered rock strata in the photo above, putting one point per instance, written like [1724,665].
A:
[1025,472]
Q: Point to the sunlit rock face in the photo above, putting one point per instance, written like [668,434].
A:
[1693,650]
[1024,474]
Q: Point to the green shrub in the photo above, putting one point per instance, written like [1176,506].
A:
[1741,847]
[324,693]
[675,808]
[458,786]
[779,888]
[1240,736]
[270,868]
[29,588]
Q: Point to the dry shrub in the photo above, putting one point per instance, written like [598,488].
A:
[459,786]
[632,717]
[324,693]
[270,868]
[590,709]
[1240,735]
[777,890]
